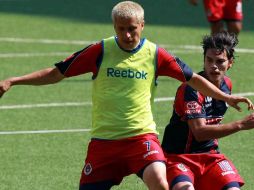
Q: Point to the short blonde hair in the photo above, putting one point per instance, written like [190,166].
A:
[128,9]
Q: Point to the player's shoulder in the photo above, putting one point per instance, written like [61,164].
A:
[186,89]
[95,46]
[163,54]
[90,50]
[163,51]
[189,93]
[228,82]
[227,79]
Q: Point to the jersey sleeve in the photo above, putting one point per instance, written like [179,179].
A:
[189,103]
[168,65]
[81,62]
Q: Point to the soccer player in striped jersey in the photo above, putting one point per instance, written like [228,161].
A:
[190,139]
[125,68]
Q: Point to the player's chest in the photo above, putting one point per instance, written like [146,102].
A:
[214,107]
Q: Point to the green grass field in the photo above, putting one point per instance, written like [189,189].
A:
[36,34]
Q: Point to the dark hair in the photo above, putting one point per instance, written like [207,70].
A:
[220,41]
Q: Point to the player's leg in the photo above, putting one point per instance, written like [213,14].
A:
[233,16]
[105,185]
[216,27]
[233,188]
[214,14]
[180,170]
[183,186]
[234,26]
[221,175]
[154,176]
[101,167]
[147,160]
[180,177]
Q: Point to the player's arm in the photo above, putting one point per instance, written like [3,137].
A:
[81,62]
[42,77]
[174,67]
[208,89]
[203,132]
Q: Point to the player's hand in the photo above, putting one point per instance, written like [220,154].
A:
[248,122]
[193,2]
[5,85]
[234,100]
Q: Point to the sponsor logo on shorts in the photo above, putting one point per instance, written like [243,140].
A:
[227,173]
[88,169]
[151,153]
[226,168]
[182,167]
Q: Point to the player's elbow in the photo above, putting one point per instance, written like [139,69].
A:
[55,76]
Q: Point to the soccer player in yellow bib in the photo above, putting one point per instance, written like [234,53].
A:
[125,68]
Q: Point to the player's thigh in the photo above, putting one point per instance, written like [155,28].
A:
[234,26]
[101,166]
[222,174]
[104,185]
[214,9]
[216,27]
[179,176]
[233,10]
[154,175]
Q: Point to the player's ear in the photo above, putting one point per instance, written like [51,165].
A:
[142,25]
[230,63]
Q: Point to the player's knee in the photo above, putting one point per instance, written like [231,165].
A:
[234,27]
[233,188]
[157,183]
[183,186]
[162,184]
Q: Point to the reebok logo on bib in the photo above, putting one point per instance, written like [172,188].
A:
[111,72]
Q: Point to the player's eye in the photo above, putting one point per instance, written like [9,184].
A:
[131,29]
[220,61]
[209,60]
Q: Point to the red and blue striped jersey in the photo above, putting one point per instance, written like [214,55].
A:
[191,104]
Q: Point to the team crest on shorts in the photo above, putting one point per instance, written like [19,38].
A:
[182,167]
[88,169]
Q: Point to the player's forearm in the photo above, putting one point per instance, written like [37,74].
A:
[42,77]
[207,88]
[208,132]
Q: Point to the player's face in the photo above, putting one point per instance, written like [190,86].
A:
[128,32]
[216,65]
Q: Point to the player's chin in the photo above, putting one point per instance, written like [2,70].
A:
[215,79]
[129,46]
